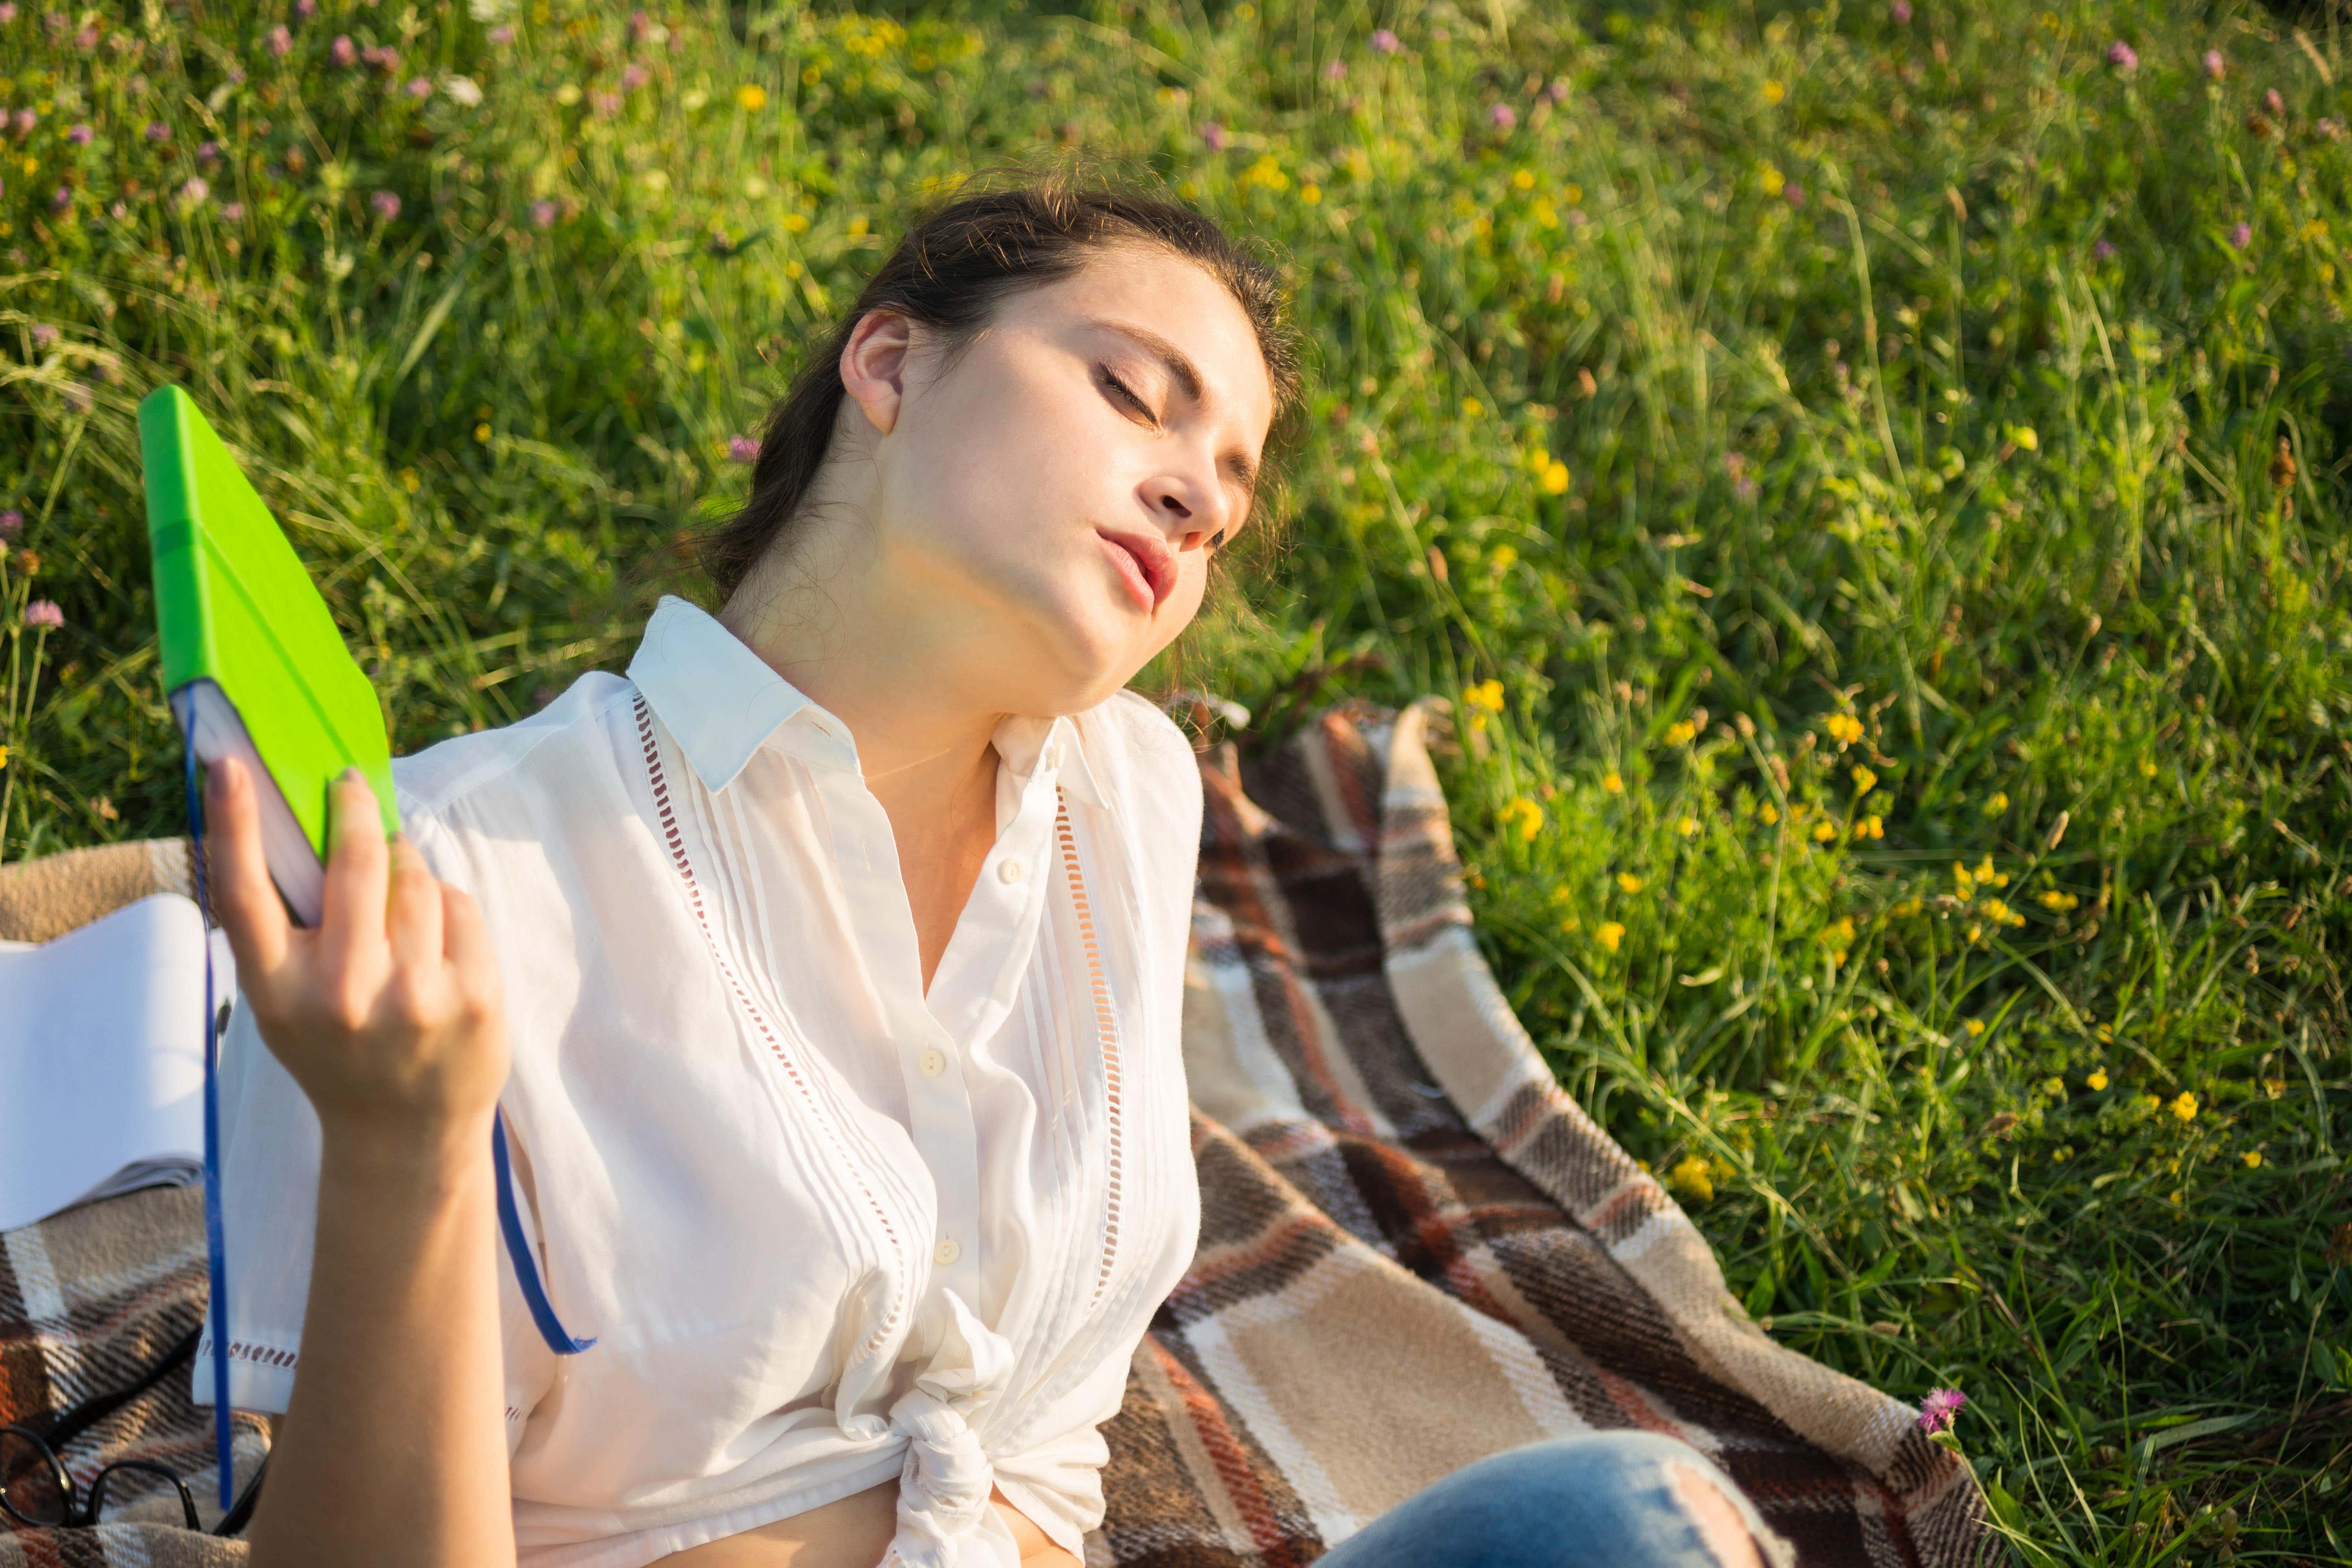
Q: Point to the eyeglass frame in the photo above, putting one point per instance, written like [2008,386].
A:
[66,1425]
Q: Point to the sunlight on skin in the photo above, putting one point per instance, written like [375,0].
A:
[1719,1522]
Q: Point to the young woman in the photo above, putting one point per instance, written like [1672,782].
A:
[820,979]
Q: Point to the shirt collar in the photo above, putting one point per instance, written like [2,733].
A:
[721,702]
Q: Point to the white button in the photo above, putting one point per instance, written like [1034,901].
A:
[1054,755]
[947,1251]
[933,1063]
[1009,870]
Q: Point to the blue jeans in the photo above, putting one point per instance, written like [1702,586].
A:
[1602,1500]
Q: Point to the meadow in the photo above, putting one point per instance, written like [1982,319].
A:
[1867,481]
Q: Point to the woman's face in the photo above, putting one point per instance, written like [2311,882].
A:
[1050,501]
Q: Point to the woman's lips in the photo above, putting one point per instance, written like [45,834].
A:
[1148,572]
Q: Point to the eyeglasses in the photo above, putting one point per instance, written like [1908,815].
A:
[37,1489]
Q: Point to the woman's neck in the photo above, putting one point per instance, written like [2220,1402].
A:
[893,674]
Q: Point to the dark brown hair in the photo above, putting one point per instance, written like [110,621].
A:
[959,259]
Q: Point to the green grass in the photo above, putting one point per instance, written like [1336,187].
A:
[1902,522]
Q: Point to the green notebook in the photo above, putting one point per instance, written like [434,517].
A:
[252,662]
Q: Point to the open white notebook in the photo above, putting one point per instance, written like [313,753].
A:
[102,1057]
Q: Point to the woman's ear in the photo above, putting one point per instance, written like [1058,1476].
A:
[873,366]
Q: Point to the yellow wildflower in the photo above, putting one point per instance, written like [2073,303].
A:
[1843,728]
[1872,826]
[2097,1080]
[1503,559]
[409,481]
[1555,479]
[1996,805]
[1611,934]
[2185,1108]
[1775,90]
[1691,1179]
[1974,1027]
[1988,877]
[2001,914]
[1962,880]
[2147,767]
[1472,407]
[1524,179]
[1687,827]
[1824,830]
[1486,694]
[1975,934]
[1628,882]
[2055,899]
[1865,781]
[2024,436]
[482,433]
[1681,733]
[1310,193]
[2055,1087]
[751,96]
[1906,908]
[2151,1104]
[1769,813]
[1612,781]
[2254,1158]
[1527,813]
[3,756]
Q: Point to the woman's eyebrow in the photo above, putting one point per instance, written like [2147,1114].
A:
[1239,464]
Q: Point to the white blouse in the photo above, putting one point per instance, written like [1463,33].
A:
[824,1228]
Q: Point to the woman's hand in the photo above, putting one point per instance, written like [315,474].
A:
[393,1451]
[389,1014]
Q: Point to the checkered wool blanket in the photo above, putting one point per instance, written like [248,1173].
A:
[1415,1250]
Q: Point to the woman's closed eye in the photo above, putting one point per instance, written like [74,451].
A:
[1123,389]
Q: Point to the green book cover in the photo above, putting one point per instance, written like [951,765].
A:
[251,658]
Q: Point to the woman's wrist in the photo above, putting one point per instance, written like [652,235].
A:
[426,1157]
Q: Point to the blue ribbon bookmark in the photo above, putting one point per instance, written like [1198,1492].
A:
[216,1253]
[534,1294]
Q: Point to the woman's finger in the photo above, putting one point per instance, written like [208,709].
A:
[412,921]
[465,939]
[358,871]
[243,897]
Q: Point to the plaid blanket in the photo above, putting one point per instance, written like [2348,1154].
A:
[1415,1250]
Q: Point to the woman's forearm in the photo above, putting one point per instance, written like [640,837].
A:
[393,1451]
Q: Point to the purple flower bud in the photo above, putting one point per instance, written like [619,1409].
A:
[86,40]
[342,51]
[385,57]
[158,131]
[2123,57]
[1335,70]
[43,616]
[207,151]
[1502,116]
[24,121]
[502,35]
[1212,136]
[742,449]
[604,105]
[12,523]
[635,77]
[543,214]
[2216,67]
[43,334]
[77,397]
[80,136]
[1793,193]
[305,9]
[2275,103]
[1556,90]
[387,205]
[281,41]
[1385,42]
[641,26]
[197,189]
[63,199]
[120,210]
[7,12]
[2242,236]
[2102,250]
[232,212]
[1901,12]
[419,89]
[2327,128]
